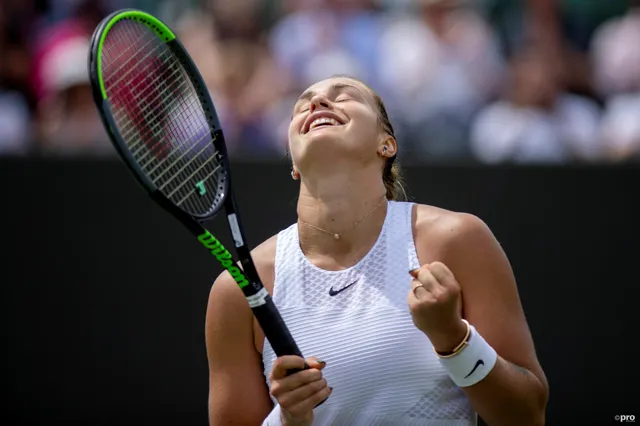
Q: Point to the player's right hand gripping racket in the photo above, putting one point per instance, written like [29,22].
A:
[162,121]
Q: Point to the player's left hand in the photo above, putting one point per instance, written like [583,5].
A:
[435,302]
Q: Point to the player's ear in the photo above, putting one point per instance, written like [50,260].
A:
[295,173]
[388,147]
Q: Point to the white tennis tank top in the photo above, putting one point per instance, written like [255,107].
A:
[382,368]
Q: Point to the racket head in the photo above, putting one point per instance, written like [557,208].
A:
[158,112]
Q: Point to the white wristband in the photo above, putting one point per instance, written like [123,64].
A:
[473,363]
[274,418]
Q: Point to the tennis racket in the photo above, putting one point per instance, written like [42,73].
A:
[163,124]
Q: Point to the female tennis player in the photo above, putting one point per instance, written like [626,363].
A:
[409,314]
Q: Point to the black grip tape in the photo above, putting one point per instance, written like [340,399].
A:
[296,370]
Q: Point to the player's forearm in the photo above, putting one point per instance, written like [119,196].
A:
[509,395]
[502,393]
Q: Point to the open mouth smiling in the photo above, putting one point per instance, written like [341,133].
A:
[321,119]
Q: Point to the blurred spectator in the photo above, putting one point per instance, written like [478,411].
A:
[439,65]
[508,18]
[15,120]
[580,19]
[241,75]
[238,19]
[15,96]
[68,122]
[537,122]
[319,38]
[616,53]
[621,128]
[80,20]
[616,61]
[436,71]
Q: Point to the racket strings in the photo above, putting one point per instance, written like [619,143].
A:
[175,162]
[160,117]
[116,47]
[145,110]
[159,144]
[189,194]
[184,167]
[176,70]
[192,192]
[132,69]
[136,147]
[147,113]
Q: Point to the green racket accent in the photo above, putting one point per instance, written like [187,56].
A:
[153,23]
[224,257]
[201,188]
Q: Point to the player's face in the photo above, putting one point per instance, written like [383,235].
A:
[335,117]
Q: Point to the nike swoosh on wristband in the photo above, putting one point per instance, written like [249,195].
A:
[333,292]
[478,364]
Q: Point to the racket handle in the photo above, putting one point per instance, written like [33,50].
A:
[277,333]
[295,370]
[275,330]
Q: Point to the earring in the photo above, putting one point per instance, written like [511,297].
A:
[295,175]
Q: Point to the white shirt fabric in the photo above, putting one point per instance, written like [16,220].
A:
[382,368]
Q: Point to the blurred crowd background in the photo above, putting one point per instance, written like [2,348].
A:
[489,81]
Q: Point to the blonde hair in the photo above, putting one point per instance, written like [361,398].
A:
[392,172]
[392,178]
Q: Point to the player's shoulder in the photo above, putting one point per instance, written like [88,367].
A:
[263,256]
[435,225]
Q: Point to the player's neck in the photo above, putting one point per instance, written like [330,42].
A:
[330,208]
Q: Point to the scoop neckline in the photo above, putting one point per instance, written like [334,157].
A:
[360,262]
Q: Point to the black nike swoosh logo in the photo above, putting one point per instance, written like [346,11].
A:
[333,292]
[478,364]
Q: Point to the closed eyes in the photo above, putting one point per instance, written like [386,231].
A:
[305,107]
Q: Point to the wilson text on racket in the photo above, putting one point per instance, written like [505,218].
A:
[223,255]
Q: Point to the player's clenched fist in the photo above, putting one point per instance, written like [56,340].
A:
[298,393]
[434,301]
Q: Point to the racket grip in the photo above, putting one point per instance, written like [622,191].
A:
[275,330]
[295,370]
